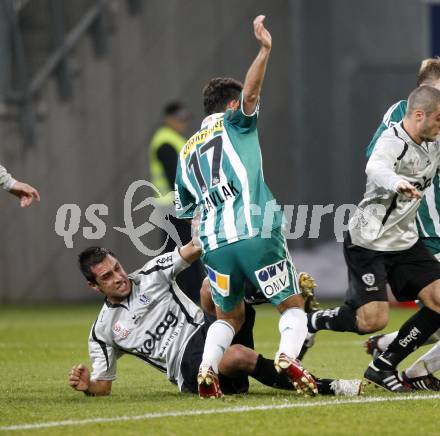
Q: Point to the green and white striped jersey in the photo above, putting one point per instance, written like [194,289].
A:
[220,171]
[428,215]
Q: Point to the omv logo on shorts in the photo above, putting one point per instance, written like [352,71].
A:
[220,282]
[273,278]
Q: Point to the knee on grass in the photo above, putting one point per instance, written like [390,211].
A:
[238,358]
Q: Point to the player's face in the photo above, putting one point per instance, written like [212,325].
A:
[430,127]
[111,279]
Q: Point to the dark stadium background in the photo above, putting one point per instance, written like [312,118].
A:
[82,84]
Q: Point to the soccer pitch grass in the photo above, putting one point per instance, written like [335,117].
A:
[39,345]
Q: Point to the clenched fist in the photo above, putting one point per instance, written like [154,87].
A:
[79,377]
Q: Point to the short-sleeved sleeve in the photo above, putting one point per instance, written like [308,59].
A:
[393,115]
[103,358]
[167,265]
[243,122]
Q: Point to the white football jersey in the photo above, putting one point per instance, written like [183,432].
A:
[386,220]
[155,322]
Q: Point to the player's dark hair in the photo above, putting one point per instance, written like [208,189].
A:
[219,92]
[429,72]
[424,98]
[90,257]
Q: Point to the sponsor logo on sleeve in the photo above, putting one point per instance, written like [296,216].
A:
[273,278]
[164,259]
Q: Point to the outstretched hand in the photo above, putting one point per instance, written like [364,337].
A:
[26,193]
[261,33]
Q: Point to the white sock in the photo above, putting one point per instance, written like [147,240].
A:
[386,340]
[218,339]
[434,338]
[293,329]
[429,363]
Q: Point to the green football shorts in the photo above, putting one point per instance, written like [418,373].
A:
[264,263]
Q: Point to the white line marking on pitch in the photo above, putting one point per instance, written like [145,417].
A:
[216,411]
[353,343]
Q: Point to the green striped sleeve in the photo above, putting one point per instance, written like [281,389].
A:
[393,115]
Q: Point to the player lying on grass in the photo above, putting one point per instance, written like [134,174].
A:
[383,243]
[26,193]
[146,315]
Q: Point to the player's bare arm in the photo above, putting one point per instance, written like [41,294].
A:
[79,379]
[255,75]
[206,302]
[192,251]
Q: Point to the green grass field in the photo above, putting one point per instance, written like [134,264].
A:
[38,346]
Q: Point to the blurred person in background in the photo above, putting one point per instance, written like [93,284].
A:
[165,146]
[26,193]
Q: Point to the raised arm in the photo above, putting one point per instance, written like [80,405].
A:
[192,251]
[255,75]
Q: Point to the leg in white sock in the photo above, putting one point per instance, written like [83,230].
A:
[218,339]
[293,329]
[429,363]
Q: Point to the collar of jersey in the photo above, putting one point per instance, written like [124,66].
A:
[114,305]
[409,139]
[210,119]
